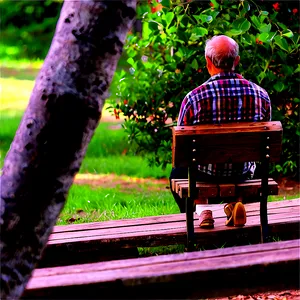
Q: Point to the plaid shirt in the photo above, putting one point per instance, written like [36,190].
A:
[225,97]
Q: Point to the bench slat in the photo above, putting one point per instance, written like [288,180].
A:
[233,142]
[249,188]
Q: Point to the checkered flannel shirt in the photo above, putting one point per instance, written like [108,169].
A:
[224,98]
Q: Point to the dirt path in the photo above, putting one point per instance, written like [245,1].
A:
[287,187]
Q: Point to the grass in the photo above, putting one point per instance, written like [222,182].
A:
[88,204]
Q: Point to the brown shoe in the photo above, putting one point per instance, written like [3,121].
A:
[236,214]
[206,220]
[239,215]
[228,209]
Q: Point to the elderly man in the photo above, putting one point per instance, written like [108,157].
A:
[225,97]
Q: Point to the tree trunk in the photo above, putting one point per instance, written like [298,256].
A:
[62,114]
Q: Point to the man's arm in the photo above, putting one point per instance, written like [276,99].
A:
[186,113]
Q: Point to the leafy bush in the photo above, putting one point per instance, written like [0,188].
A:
[168,61]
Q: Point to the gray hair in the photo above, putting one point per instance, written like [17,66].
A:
[222,57]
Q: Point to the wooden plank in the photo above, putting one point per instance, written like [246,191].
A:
[218,212]
[247,189]
[197,274]
[95,242]
[164,218]
[234,143]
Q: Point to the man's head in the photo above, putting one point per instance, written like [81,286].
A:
[222,54]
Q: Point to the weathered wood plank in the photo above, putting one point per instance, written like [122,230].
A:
[80,229]
[111,240]
[190,275]
[176,221]
[147,229]
[247,189]
[234,142]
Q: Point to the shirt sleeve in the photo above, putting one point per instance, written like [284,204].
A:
[186,113]
[268,108]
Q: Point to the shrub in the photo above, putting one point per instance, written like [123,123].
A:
[168,61]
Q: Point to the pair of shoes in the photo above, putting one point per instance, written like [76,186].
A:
[236,214]
[206,219]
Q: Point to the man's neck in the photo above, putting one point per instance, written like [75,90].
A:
[220,71]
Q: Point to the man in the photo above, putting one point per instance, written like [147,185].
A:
[225,97]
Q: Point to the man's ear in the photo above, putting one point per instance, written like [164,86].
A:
[236,61]
[208,62]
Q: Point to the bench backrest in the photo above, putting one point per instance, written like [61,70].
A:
[222,143]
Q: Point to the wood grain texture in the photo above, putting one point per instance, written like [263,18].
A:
[232,143]
[190,275]
[248,188]
[94,241]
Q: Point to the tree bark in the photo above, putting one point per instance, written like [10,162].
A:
[50,143]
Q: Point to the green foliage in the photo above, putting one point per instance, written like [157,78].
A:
[27,27]
[168,61]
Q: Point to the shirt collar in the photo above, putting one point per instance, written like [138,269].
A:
[225,75]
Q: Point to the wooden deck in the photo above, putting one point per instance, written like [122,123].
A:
[81,243]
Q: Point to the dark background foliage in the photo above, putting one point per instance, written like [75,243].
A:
[27,27]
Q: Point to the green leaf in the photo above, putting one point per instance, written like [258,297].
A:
[245,26]
[203,18]
[279,86]
[264,13]
[172,29]
[194,64]
[255,21]
[200,31]
[297,70]
[281,42]
[241,24]
[264,37]
[237,23]
[165,3]
[261,76]
[234,32]
[169,17]
[131,61]
[265,28]
[272,35]
[281,25]
[246,39]
[153,25]
[288,33]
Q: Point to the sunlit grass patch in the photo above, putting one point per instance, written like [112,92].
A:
[86,204]
[14,95]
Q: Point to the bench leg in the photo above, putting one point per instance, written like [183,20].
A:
[189,208]
[264,227]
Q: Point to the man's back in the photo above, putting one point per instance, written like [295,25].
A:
[225,97]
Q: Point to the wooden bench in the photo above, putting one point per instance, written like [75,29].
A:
[98,241]
[202,274]
[225,143]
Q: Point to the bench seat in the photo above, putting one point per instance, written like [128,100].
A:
[201,274]
[80,243]
[250,190]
